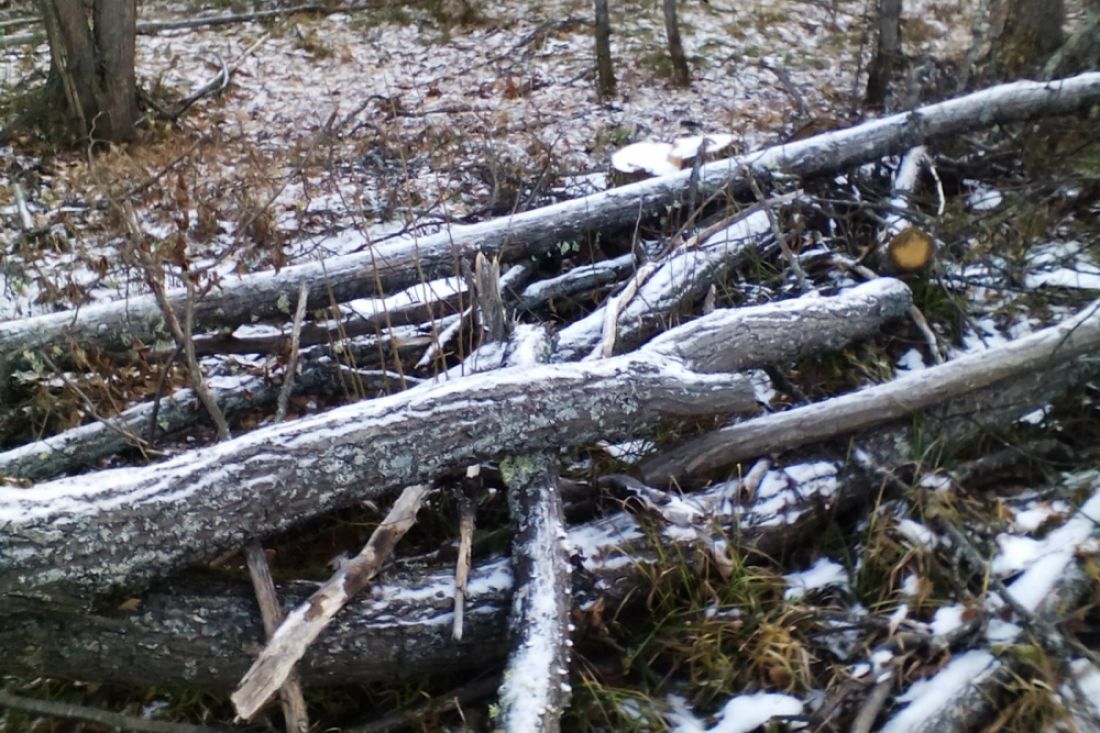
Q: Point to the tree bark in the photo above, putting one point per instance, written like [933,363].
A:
[92,74]
[605,67]
[1040,354]
[203,632]
[75,539]
[390,266]
[536,679]
[1024,35]
[887,53]
[68,529]
[681,74]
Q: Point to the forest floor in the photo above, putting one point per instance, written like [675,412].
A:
[339,131]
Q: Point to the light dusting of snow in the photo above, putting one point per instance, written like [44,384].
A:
[927,697]
[917,534]
[822,574]
[1043,562]
[947,619]
[740,714]
[983,198]
[911,361]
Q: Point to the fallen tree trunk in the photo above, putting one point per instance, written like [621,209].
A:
[536,679]
[673,286]
[398,264]
[74,539]
[206,632]
[725,340]
[1038,353]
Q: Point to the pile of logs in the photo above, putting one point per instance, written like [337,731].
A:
[92,564]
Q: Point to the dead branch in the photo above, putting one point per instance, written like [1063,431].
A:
[536,679]
[403,627]
[535,690]
[1039,352]
[1052,583]
[290,693]
[305,623]
[117,721]
[292,359]
[740,338]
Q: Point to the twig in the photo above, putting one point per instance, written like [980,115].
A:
[139,188]
[197,382]
[165,368]
[872,706]
[294,703]
[127,435]
[467,516]
[182,334]
[777,232]
[452,700]
[306,622]
[789,87]
[25,219]
[70,711]
[915,314]
[292,360]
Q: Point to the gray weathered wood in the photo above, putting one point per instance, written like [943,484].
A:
[1040,353]
[76,538]
[536,691]
[204,632]
[740,338]
[305,623]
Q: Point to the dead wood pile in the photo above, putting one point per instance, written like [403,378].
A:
[522,356]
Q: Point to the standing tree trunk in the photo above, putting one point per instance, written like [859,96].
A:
[92,71]
[1024,34]
[605,69]
[887,52]
[681,76]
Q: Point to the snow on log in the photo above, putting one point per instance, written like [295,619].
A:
[959,696]
[536,678]
[740,338]
[725,340]
[1038,353]
[204,632]
[359,451]
[401,263]
[672,286]
[73,539]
